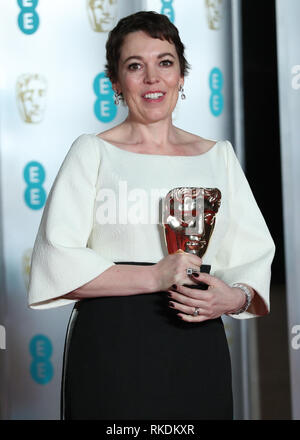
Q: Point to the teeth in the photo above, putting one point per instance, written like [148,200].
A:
[153,95]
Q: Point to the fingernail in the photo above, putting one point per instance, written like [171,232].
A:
[174,286]
[171,304]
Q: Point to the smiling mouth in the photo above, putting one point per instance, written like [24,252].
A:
[154,96]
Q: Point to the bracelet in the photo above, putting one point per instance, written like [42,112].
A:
[247,293]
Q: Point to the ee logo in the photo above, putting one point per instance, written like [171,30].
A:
[41,368]
[216,102]
[34,176]
[104,107]
[28,19]
[167,9]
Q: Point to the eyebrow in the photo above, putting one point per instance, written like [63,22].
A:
[138,57]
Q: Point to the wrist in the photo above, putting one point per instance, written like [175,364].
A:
[154,280]
[238,300]
[245,298]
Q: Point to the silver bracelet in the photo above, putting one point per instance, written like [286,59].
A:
[247,293]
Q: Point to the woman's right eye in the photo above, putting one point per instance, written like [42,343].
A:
[134,66]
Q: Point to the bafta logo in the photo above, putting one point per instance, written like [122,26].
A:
[102,14]
[31,97]
[26,262]
[214,13]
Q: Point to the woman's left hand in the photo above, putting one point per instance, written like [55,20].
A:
[212,303]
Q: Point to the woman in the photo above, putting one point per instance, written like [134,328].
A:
[129,353]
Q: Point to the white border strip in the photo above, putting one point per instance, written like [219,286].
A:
[288,43]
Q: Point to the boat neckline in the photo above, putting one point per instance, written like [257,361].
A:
[156,155]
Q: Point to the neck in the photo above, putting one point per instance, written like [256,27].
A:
[158,134]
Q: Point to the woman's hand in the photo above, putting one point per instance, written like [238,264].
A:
[212,303]
[171,270]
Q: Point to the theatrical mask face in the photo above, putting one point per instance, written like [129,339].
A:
[102,14]
[214,13]
[189,217]
[31,97]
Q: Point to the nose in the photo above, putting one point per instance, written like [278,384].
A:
[151,76]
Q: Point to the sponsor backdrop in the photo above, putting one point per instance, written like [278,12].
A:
[288,45]
[53,89]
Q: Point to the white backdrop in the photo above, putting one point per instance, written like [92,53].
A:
[52,90]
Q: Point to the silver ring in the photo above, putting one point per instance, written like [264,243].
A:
[190,271]
[196,311]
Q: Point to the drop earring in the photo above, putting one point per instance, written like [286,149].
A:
[181,90]
[116,98]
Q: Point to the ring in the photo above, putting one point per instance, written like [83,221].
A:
[196,311]
[190,271]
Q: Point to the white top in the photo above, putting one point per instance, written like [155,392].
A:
[84,228]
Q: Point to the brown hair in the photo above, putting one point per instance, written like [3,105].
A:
[152,23]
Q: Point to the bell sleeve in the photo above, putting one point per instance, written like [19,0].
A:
[61,260]
[247,249]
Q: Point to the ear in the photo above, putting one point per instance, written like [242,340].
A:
[116,87]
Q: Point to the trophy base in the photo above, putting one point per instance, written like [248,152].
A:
[201,286]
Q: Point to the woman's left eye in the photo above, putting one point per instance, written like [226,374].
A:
[166,63]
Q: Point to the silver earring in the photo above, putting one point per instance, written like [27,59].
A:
[181,90]
[116,98]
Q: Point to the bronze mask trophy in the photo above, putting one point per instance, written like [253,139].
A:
[188,219]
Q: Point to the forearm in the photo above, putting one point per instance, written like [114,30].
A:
[257,306]
[119,280]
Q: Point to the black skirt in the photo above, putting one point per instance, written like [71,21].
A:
[132,358]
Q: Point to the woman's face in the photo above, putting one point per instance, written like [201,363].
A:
[149,77]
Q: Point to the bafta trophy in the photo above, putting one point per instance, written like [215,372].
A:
[188,219]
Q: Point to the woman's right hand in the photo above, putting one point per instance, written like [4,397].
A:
[171,269]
